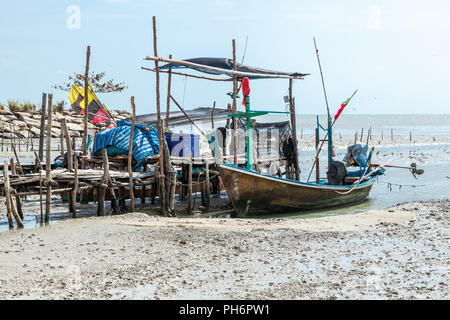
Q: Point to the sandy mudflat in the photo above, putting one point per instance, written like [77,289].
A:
[398,253]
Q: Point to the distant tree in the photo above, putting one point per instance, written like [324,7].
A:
[95,80]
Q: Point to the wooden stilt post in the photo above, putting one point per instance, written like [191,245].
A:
[17,214]
[39,166]
[294,131]
[143,192]
[7,193]
[173,186]
[65,134]
[41,132]
[362,132]
[75,189]
[162,193]
[86,104]
[84,195]
[47,159]
[103,185]
[61,140]
[189,209]
[208,190]
[13,167]
[392,134]
[130,155]
[18,204]
[235,132]
[169,82]
[17,159]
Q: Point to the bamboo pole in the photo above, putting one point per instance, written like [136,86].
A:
[41,132]
[187,116]
[86,109]
[212,115]
[235,137]
[7,194]
[130,154]
[162,194]
[47,159]
[169,83]
[187,75]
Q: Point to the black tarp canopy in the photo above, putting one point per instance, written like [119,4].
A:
[227,64]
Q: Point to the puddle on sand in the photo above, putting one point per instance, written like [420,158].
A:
[29,222]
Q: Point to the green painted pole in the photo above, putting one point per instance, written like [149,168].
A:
[330,143]
[249,133]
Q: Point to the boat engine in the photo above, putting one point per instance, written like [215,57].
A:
[336,173]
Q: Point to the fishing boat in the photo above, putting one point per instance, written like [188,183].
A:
[252,192]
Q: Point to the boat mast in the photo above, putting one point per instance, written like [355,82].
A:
[330,140]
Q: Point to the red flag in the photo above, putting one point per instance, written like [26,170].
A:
[245,89]
[343,104]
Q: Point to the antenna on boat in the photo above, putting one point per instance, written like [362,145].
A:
[245,49]
[330,140]
[321,75]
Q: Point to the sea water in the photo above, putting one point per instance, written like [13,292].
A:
[394,187]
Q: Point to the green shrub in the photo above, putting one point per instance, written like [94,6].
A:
[14,105]
[59,106]
[28,106]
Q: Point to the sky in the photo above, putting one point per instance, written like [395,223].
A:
[396,53]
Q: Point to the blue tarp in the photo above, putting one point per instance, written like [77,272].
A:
[145,142]
[358,152]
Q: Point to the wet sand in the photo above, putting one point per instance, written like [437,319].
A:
[397,253]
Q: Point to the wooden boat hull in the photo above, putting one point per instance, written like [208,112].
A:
[255,193]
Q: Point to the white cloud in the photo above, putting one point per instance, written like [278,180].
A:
[374,17]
